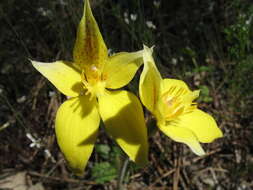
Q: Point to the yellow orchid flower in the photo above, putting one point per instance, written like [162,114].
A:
[171,102]
[87,80]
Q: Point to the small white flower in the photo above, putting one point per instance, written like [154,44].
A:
[181,58]
[174,61]
[51,93]
[150,24]
[133,17]
[22,99]
[207,60]
[126,20]
[247,22]
[126,17]
[62,2]
[157,4]
[211,6]
[43,12]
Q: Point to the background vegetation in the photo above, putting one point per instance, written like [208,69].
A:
[207,43]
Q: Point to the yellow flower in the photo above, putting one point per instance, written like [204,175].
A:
[171,102]
[87,80]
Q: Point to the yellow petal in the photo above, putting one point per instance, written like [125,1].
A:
[201,124]
[121,68]
[170,83]
[182,135]
[63,75]
[150,81]
[122,114]
[77,123]
[90,50]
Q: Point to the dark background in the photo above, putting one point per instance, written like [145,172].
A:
[208,44]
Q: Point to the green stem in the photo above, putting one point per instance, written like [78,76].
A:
[122,174]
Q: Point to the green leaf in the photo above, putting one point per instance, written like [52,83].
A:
[203,69]
[204,90]
[205,94]
[103,150]
[103,172]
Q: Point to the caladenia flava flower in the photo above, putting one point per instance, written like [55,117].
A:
[87,81]
[172,104]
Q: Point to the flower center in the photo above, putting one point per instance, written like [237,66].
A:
[92,82]
[176,101]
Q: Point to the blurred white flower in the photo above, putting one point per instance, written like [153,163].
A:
[211,6]
[150,25]
[127,20]
[247,22]
[62,2]
[126,17]
[181,58]
[43,12]
[207,60]
[157,4]
[21,99]
[51,93]
[133,17]
[174,61]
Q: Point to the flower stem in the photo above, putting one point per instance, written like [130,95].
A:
[122,174]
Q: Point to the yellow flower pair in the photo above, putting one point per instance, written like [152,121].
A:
[90,81]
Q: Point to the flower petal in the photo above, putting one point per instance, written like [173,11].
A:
[77,123]
[63,76]
[169,83]
[150,81]
[121,68]
[122,114]
[90,50]
[183,135]
[201,124]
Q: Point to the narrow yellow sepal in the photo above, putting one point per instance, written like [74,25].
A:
[121,68]
[76,128]
[62,75]
[123,117]
[90,50]
[150,82]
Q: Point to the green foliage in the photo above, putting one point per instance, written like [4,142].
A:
[203,69]
[106,171]
[238,34]
[243,77]
[103,150]
[205,94]
[103,172]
